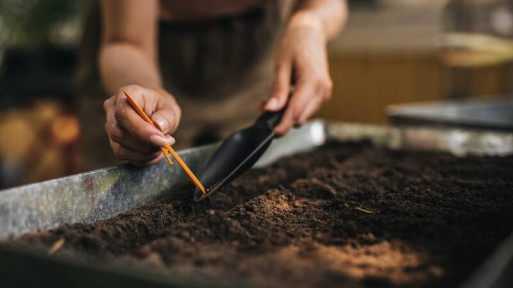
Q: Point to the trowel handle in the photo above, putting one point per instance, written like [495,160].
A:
[271,119]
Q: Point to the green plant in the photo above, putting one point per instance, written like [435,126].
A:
[38,23]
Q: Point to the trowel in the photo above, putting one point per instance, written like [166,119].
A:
[238,153]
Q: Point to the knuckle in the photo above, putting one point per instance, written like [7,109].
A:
[116,134]
[155,154]
[314,78]
[178,115]
[325,85]
[136,89]
[153,161]
[121,91]
[132,88]
[113,146]
[120,154]
[173,121]
[328,94]
[278,88]
[106,105]
[300,118]
[282,130]
[296,115]
[120,110]
[325,82]
[178,110]
[174,118]
[328,85]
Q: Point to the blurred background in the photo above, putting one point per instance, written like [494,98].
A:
[392,55]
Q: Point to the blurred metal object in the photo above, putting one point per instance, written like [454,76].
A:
[474,114]
[476,50]
[476,34]
[459,142]
[100,194]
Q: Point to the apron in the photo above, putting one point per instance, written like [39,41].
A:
[218,71]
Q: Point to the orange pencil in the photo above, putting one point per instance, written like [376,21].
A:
[168,147]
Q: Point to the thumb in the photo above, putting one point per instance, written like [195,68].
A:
[166,120]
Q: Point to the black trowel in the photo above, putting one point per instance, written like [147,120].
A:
[238,153]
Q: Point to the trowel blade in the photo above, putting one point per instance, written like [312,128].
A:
[238,153]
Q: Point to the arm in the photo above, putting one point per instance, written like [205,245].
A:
[302,49]
[128,60]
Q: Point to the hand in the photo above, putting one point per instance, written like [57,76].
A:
[132,139]
[301,59]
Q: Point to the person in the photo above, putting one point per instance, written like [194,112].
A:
[198,68]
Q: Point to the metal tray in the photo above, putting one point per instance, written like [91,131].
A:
[103,193]
[496,114]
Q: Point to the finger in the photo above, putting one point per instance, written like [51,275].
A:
[310,109]
[165,113]
[141,130]
[149,163]
[145,98]
[323,93]
[128,141]
[167,117]
[110,122]
[128,154]
[300,97]
[280,86]
[119,135]
[108,104]
[170,140]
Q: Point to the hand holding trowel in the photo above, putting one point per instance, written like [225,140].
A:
[238,153]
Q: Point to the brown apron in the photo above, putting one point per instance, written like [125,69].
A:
[218,71]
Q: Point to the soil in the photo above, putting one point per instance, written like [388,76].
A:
[348,213]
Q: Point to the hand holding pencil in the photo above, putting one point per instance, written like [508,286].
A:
[132,139]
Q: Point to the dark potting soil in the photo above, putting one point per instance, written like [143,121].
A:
[346,214]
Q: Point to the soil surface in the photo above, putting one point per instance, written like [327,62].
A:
[347,214]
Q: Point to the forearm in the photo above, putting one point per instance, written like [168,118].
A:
[124,64]
[328,15]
